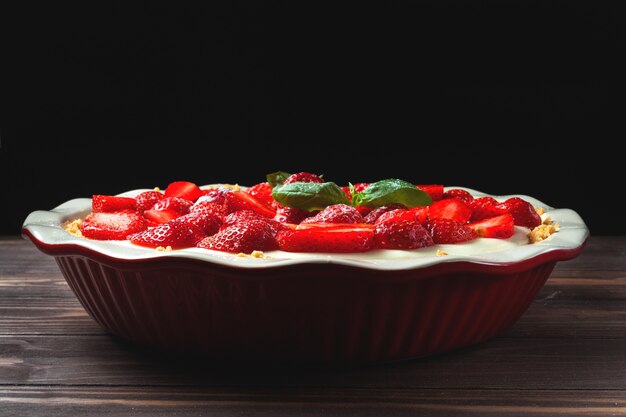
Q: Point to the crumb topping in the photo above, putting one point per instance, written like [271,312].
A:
[163,249]
[542,232]
[540,210]
[441,253]
[73,227]
[254,254]
[157,189]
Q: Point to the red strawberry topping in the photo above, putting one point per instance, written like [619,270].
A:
[179,205]
[458,193]
[243,216]
[500,227]
[303,177]
[435,191]
[484,207]
[208,207]
[338,213]
[450,208]
[112,226]
[522,211]
[209,223]
[416,215]
[146,200]
[450,231]
[183,189]
[110,203]
[175,233]
[240,200]
[291,215]
[402,234]
[244,237]
[337,238]
[155,217]
[373,215]
[214,195]
[263,192]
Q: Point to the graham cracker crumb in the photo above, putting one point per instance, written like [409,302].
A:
[157,189]
[540,210]
[547,220]
[168,248]
[73,227]
[441,253]
[541,232]
[254,254]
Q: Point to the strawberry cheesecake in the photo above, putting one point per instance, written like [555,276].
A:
[302,213]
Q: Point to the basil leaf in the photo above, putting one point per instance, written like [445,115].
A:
[277,178]
[309,196]
[391,191]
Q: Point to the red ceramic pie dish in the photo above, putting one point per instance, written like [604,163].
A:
[306,308]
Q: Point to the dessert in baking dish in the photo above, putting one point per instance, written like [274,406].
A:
[304,213]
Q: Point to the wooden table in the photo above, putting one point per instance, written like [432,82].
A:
[566,356]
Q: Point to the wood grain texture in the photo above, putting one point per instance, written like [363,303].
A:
[565,356]
[185,401]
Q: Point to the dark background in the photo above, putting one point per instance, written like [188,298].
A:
[505,98]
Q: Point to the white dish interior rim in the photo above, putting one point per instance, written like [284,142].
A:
[47,227]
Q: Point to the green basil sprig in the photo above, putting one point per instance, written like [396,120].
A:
[309,196]
[312,196]
[277,178]
[391,191]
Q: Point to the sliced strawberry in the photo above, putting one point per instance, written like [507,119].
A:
[522,211]
[209,223]
[450,208]
[291,215]
[377,212]
[500,227]
[243,237]
[337,238]
[450,231]
[208,207]
[346,191]
[415,215]
[213,195]
[337,213]
[401,234]
[435,191]
[147,199]
[160,216]
[240,200]
[243,216]
[303,177]
[458,193]
[183,189]
[175,233]
[179,205]
[111,203]
[484,207]
[112,226]
[263,192]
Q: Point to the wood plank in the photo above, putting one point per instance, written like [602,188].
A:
[546,318]
[502,363]
[185,401]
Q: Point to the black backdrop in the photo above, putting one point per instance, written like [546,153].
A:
[493,96]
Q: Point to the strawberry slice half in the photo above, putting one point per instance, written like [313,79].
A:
[183,189]
[401,234]
[160,216]
[330,238]
[458,193]
[522,211]
[450,231]
[484,207]
[112,226]
[435,191]
[499,227]
[177,234]
[241,200]
[242,237]
[110,203]
[451,209]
